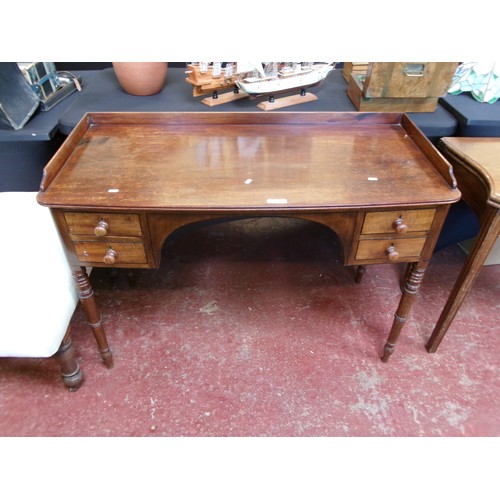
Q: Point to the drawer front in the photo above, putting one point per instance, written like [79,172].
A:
[99,252]
[400,222]
[384,249]
[107,224]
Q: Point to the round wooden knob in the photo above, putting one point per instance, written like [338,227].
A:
[392,253]
[101,229]
[400,226]
[110,257]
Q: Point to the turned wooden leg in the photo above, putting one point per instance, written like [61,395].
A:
[410,292]
[131,277]
[358,275]
[70,370]
[87,299]
[405,276]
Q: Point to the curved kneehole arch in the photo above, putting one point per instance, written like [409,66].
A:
[162,226]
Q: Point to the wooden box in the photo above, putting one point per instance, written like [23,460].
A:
[354,67]
[400,86]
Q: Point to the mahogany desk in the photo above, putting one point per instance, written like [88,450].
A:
[123,182]
[476,163]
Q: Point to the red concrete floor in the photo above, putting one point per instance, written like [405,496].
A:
[255,328]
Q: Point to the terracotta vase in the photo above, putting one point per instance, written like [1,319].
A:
[141,78]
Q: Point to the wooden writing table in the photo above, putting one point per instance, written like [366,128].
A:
[476,162]
[123,182]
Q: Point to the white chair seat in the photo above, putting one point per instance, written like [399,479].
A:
[38,294]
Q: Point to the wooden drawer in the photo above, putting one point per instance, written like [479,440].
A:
[107,224]
[96,252]
[400,222]
[378,249]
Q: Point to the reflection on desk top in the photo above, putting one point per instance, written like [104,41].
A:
[482,154]
[104,94]
[246,161]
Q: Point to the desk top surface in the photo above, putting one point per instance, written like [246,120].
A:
[244,161]
[482,154]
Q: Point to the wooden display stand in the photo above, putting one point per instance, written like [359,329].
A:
[223,98]
[268,105]
[400,86]
[284,102]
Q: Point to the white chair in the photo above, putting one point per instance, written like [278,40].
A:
[38,293]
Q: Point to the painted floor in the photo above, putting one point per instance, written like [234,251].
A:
[255,328]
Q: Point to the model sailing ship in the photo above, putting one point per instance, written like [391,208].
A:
[279,78]
[256,79]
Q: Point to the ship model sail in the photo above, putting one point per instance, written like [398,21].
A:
[280,78]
